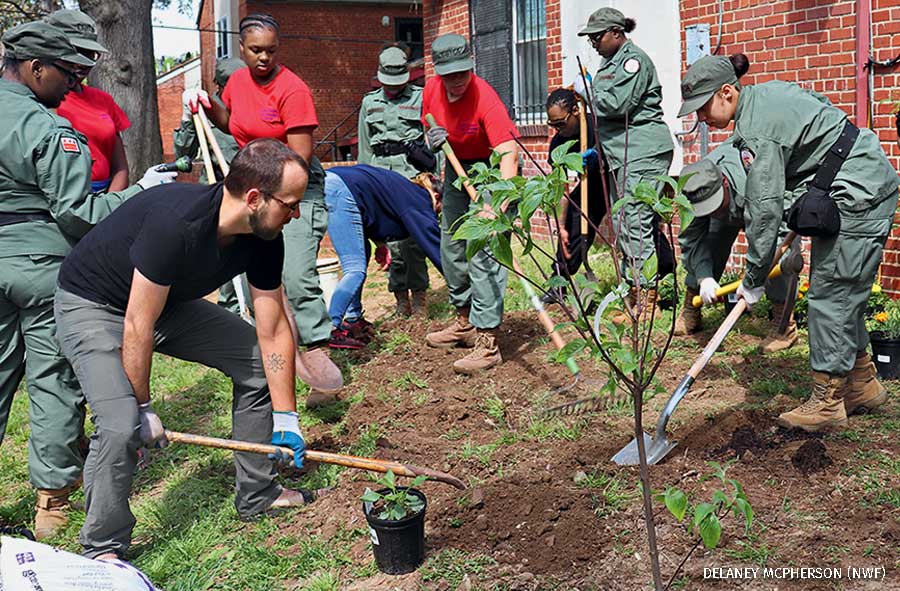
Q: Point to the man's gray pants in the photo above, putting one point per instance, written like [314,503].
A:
[90,336]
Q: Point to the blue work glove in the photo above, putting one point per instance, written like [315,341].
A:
[286,433]
[589,157]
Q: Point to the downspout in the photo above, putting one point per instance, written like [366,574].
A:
[863,51]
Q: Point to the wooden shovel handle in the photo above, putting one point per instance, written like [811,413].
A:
[372,464]
[204,147]
[207,128]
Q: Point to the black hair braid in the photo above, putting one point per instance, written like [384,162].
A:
[258,20]
[562,97]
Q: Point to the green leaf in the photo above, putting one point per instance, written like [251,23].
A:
[649,268]
[676,502]
[501,249]
[390,480]
[559,154]
[574,162]
[710,531]
[370,496]
[417,482]
[744,507]
[720,498]
[701,512]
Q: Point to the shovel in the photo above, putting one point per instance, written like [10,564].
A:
[659,446]
[372,464]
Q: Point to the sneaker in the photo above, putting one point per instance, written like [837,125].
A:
[360,329]
[342,339]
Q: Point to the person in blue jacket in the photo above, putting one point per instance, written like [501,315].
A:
[369,203]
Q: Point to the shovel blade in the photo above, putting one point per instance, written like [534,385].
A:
[656,450]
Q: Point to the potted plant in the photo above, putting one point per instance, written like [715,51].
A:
[396,517]
[666,292]
[884,334]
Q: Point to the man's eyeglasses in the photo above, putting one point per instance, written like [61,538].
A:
[292,208]
[559,123]
[71,75]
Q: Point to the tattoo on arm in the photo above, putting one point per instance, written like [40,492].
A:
[275,362]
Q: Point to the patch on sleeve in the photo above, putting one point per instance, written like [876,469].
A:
[632,66]
[747,158]
[69,144]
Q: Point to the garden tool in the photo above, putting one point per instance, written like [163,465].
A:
[657,447]
[204,134]
[545,319]
[776,271]
[372,464]
[183,164]
[791,267]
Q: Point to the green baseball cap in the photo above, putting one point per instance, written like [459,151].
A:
[40,40]
[80,28]
[603,19]
[450,54]
[392,69]
[225,68]
[704,188]
[703,79]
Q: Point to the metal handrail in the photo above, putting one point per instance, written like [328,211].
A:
[334,143]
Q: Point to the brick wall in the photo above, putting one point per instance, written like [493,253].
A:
[207,23]
[811,43]
[168,97]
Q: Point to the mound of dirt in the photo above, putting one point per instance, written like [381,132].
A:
[811,457]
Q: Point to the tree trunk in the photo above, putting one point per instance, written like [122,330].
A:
[127,73]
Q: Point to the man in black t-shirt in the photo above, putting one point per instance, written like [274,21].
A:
[136,283]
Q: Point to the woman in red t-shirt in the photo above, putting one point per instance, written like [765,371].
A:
[470,116]
[266,99]
[92,111]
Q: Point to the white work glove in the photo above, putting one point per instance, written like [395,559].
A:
[578,85]
[436,136]
[750,294]
[708,288]
[191,99]
[152,432]
[153,177]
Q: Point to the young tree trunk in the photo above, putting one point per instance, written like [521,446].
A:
[127,73]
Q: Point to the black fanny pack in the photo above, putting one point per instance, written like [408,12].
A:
[815,213]
[7,219]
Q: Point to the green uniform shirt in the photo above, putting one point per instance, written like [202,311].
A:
[45,167]
[783,132]
[188,144]
[626,85]
[383,119]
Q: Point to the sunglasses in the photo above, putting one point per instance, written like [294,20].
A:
[559,123]
[71,75]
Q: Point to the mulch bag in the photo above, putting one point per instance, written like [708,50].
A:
[31,566]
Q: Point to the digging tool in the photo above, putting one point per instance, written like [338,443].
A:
[371,464]
[657,447]
[183,164]
[205,134]
[791,267]
[545,319]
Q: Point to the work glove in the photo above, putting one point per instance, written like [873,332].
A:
[708,288]
[383,257]
[589,157]
[153,177]
[750,294]
[436,136]
[152,432]
[578,86]
[191,99]
[286,433]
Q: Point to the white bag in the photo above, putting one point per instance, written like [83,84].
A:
[30,566]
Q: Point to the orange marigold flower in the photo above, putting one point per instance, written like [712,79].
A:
[881,317]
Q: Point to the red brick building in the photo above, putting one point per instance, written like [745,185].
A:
[169,87]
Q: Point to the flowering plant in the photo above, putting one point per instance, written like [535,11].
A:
[885,323]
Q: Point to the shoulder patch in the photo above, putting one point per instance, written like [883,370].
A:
[632,65]
[747,158]
[69,144]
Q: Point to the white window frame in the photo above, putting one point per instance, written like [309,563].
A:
[223,39]
[535,112]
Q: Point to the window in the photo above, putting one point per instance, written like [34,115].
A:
[409,31]
[510,42]
[222,38]
[529,61]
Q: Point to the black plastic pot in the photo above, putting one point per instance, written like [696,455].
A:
[399,546]
[730,302]
[886,355]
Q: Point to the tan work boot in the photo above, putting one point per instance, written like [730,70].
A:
[419,304]
[459,334]
[823,410]
[51,511]
[404,307]
[691,319]
[863,391]
[485,355]
[775,340]
[648,301]
[315,367]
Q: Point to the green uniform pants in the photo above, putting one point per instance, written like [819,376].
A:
[56,404]
[478,283]
[408,269]
[718,242]
[90,335]
[842,270]
[300,277]
[634,222]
